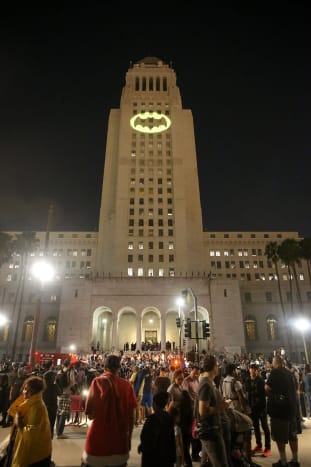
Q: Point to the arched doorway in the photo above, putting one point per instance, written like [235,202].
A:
[102,329]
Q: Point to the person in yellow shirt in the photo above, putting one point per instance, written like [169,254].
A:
[31,441]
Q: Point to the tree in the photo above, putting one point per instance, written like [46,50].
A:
[305,251]
[5,247]
[23,245]
[290,253]
[272,253]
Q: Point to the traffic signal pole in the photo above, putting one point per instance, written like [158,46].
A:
[196,322]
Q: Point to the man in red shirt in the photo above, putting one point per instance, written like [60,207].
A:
[110,404]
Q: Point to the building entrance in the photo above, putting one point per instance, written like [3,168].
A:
[151,337]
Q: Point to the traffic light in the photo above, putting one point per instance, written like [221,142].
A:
[188,328]
[178,322]
[205,329]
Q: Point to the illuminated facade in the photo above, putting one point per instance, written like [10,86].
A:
[120,285]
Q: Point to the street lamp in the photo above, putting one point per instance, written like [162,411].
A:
[44,272]
[303,325]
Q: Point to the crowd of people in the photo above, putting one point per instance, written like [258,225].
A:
[206,411]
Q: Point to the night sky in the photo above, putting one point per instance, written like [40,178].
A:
[245,75]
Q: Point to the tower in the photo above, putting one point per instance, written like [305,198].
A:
[150,218]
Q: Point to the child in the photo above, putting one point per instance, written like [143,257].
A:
[157,438]
[180,459]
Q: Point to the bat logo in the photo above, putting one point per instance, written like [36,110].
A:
[150,122]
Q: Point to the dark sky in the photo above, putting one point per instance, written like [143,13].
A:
[245,75]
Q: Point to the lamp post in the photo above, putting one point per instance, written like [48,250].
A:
[303,325]
[180,303]
[44,272]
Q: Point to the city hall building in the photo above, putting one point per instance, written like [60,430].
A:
[121,284]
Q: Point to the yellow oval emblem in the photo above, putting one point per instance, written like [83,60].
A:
[150,122]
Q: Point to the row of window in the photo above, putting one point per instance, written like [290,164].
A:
[272,329]
[151,258]
[257,276]
[149,222]
[239,235]
[150,212]
[150,233]
[269,297]
[150,272]
[151,245]
[240,252]
[49,331]
[143,83]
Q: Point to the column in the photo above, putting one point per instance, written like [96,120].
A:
[138,333]
[163,332]
[114,343]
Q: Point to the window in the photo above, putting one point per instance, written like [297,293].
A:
[161,272]
[150,258]
[268,296]
[161,245]
[50,331]
[272,328]
[171,258]
[130,246]
[27,329]
[250,329]
[150,272]
[130,272]
[171,272]
[140,246]
[140,272]
[129,258]
[150,245]
[170,245]
[140,258]
[161,258]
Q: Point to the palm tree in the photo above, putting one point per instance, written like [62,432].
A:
[5,247]
[290,254]
[272,253]
[24,244]
[305,251]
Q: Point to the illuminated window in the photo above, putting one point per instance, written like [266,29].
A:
[170,245]
[140,272]
[250,329]
[272,328]
[140,246]
[130,271]
[27,329]
[50,331]
[130,246]
[4,332]
[150,272]
[161,272]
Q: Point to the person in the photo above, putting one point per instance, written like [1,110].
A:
[210,406]
[255,390]
[306,377]
[63,400]
[180,458]
[157,438]
[161,382]
[4,397]
[31,442]
[233,391]
[50,393]
[175,389]
[282,406]
[110,405]
[191,383]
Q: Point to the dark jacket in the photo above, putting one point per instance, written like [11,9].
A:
[158,441]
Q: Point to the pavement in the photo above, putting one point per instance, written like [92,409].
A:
[67,452]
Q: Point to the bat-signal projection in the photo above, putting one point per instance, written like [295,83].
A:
[150,122]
